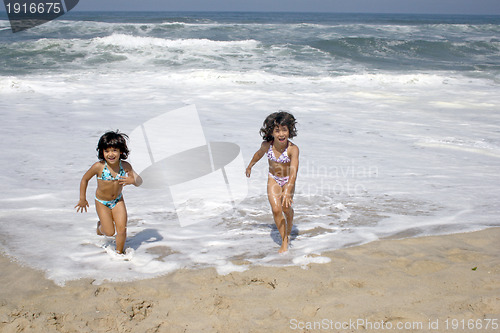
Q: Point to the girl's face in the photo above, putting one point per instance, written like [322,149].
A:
[280,133]
[112,155]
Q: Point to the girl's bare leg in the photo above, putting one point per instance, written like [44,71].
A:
[274,194]
[289,220]
[120,217]
[288,211]
[105,224]
[112,220]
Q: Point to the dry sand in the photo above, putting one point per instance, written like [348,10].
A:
[425,284]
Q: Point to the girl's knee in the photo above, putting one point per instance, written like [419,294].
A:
[121,230]
[107,232]
[277,211]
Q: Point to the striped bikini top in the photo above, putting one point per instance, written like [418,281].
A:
[283,157]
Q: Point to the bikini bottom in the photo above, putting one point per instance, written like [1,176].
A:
[280,180]
[111,203]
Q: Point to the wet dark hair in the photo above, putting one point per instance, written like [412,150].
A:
[281,118]
[113,140]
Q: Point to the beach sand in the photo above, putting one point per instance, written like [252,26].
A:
[427,284]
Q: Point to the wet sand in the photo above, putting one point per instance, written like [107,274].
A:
[429,284]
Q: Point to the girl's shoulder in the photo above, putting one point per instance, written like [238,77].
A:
[95,169]
[292,147]
[98,166]
[126,165]
[264,146]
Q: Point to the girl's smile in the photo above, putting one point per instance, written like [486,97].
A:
[281,134]
[112,155]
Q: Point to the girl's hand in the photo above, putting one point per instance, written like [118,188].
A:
[287,200]
[248,172]
[129,180]
[81,205]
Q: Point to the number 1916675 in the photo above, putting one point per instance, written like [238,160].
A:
[34,8]
[472,324]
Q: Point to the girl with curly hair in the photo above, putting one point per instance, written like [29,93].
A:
[112,174]
[276,131]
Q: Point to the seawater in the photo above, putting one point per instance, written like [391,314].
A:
[399,131]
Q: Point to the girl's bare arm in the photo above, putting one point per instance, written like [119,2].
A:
[257,156]
[132,177]
[83,203]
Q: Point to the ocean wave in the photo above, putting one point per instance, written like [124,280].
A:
[392,54]
[290,45]
[133,42]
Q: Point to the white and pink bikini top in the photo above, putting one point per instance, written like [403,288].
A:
[283,157]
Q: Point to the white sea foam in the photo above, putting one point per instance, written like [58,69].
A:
[382,154]
[142,42]
[369,168]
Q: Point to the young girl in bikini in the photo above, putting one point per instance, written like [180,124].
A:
[112,174]
[277,129]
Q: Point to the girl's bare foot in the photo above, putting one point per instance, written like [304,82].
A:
[99,228]
[284,246]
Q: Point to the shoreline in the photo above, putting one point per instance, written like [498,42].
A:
[429,283]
